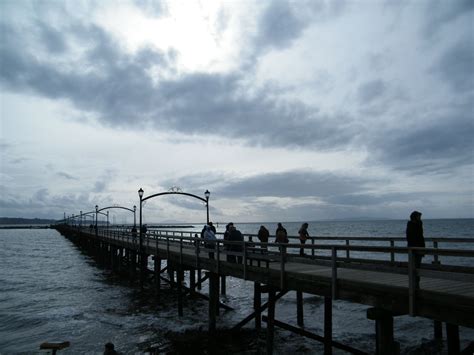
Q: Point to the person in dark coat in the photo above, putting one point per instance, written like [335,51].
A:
[263,235]
[213,228]
[281,235]
[304,235]
[235,236]
[226,238]
[415,237]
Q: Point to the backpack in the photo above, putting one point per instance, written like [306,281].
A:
[281,236]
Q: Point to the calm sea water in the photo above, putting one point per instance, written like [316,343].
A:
[51,291]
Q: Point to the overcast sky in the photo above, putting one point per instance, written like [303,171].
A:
[283,110]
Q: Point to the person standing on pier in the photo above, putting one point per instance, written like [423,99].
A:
[281,234]
[226,238]
[211,225]
[304,235]
[235,236]
[415,237]
[210,239]
[263,235]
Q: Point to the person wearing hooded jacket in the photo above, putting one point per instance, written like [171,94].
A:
[209,237]
[414,234]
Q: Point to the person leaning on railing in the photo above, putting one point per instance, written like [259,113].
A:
[304,235]
[415,236]
[263,235]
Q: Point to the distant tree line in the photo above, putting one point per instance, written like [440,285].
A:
[10,220]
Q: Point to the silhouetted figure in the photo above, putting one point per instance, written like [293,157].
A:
[212,227]
[144,230]
[235,236]
[226,238]
[415,237]
[304,235]
[263,235]
[110,349]
[210,240]
[134,233]
[281,235]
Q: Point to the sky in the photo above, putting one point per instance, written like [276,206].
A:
[284,110]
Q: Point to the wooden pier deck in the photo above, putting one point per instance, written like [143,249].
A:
[444,293]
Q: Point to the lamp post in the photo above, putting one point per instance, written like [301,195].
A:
[107,221]
[96,216]
[207,194]
[135,217]
[140,194]
[80,221]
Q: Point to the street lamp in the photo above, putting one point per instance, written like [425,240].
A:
[96,215]
[140,194]
[207,194]
[135,217]
[80,221]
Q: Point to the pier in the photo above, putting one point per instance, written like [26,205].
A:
[383,277]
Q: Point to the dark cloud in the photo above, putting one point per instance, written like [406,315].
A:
[283,21]
[456,65]
[18,160]
[66,175]
[370,91]
[52,39]
[295,184]
[436,145]
[292,184]
[439,13]
[118,87]
[280,25]
[310,195]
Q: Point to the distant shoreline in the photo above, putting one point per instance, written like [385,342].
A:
[25,227]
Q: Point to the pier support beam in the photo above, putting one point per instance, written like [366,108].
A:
[213,300]
[327,325]
[157,273]
[257,304]
[199,278]
[223,285]
[192,279]
[180,279]
[385,343]
[438,330]
[299,308]
[452,333]
[271,319]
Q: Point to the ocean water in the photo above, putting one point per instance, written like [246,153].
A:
[52,291]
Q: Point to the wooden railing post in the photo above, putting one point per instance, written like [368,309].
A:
[282,266]
[412,282]
[167,247]
[436,256]
[348,255]
[245,260]
[218,256]
[334,273]
[392,253]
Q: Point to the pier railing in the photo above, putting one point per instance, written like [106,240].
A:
[273,258]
